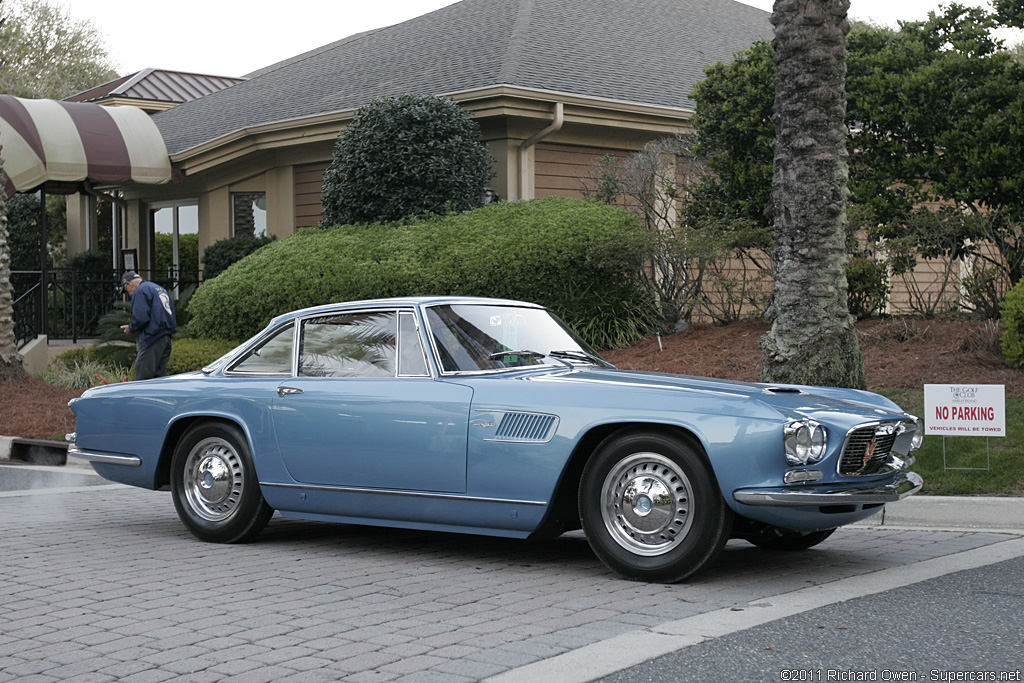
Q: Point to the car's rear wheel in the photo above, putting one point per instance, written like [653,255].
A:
[651,508]
[773,538]
[214,484]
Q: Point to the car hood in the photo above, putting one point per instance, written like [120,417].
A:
[785,399]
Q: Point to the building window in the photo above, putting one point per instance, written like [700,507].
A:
[175,242]
[249,214]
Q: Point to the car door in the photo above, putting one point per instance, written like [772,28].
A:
[363,410]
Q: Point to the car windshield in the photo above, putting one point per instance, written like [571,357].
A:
[477,337]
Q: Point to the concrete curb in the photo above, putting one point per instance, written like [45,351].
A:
[35,451]
[953,513]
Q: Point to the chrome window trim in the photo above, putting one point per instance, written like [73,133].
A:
[357,310]
[296,324]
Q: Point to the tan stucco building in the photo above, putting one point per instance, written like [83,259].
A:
[554,85]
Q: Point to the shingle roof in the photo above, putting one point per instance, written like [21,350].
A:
[644,51]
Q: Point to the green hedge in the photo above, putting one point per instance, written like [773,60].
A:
[582,259]
[188,253]
[189,354]
[220,255]
[1012,319]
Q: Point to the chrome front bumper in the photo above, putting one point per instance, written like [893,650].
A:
[905,484]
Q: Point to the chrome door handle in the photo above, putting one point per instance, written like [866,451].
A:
[287,391]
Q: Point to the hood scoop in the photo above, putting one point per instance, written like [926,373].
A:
[782,390]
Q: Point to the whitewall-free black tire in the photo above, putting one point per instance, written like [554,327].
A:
[651,507]
[214,484]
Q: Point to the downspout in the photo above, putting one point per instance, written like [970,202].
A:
[525,186]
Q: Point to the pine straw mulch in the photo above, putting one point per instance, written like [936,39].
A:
[898,353]
[32,409]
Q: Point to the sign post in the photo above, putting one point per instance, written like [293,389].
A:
[965,410]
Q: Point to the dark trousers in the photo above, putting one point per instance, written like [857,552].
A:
[152,361]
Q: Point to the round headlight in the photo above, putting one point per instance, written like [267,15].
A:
[916,442]
[805,442]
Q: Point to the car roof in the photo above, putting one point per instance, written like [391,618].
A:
[410,301]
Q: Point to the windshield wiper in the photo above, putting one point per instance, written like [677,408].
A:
[526,353]
[577,355]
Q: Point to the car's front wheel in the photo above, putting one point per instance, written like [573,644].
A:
[214,484]
[651,508]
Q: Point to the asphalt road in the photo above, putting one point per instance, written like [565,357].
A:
[960,627]
[104,584]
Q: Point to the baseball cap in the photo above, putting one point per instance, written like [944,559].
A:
[128,276]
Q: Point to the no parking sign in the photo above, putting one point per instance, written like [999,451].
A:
[965,409]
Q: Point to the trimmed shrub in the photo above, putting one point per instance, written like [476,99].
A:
[404,156]
[582,259]
[220,255]
[1012,319]
[868,282]
[189,355]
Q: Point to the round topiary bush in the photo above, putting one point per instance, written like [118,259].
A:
[412,155]
[582,259]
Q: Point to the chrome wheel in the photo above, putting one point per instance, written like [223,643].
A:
[214,484]
[651,507]
[213,479]
[646,504]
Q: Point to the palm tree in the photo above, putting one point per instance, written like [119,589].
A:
[10,361]
[813,339]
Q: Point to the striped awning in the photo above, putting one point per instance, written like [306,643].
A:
[46,140]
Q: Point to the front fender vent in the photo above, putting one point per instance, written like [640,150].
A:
[526,428]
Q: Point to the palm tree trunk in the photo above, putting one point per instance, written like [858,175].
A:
[813,339]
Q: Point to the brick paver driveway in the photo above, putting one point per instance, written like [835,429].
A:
[105,584]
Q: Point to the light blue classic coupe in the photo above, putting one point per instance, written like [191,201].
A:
[487,416]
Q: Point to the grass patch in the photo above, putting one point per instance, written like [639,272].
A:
[1005,454]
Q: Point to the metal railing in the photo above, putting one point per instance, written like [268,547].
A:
[75,301]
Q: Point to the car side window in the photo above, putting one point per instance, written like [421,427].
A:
[272,357]
[349,345]
[411,361]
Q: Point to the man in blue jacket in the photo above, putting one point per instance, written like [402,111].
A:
[154,323]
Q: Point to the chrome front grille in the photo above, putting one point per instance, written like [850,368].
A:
[867,450]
